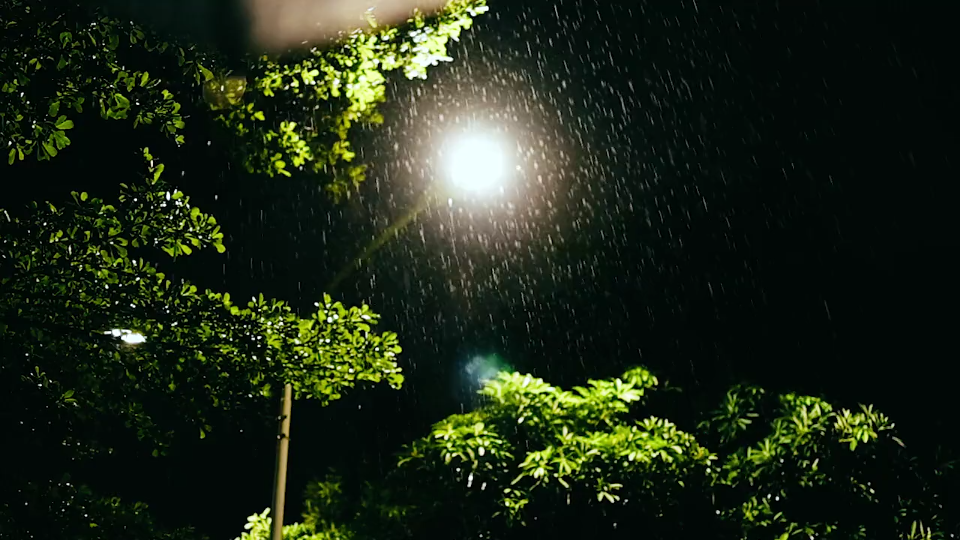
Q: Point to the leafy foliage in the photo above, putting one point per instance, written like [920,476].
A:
[286,114]
[817,471]
[76,284]
[534,448]
[54,63]
[258,528]
[538,461]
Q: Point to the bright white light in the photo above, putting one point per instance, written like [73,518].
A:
[476,164]
[127,336]
[133,338]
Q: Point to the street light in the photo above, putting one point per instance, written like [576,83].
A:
[475,164]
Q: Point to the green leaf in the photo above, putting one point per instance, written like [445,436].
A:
[54,108]
[61,139]
[64,124]
[13,156]
[207,74]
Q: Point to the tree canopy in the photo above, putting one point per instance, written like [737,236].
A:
[102,349]
[537,461]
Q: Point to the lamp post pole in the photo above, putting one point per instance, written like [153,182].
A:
[280,472]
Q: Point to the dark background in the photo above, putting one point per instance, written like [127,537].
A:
[763,191]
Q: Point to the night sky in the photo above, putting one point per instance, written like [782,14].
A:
[761,192]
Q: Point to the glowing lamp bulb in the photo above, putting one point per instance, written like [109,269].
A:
[476,164]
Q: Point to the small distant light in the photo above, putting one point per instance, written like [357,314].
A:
[127,336]
[133,338]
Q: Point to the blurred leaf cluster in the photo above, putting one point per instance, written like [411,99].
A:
[59,508]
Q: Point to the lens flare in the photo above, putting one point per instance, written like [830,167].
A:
[480,369]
